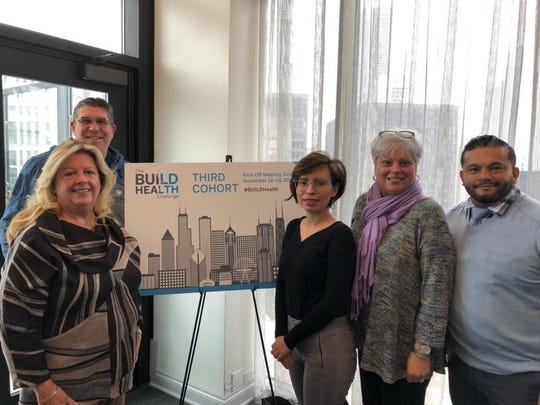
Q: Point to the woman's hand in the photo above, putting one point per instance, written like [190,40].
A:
[280,349]
[287,361]
[48,393]
[418,368]
[138,337]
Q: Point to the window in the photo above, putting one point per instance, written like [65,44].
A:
[36,118]
[450,73]
[49,67]
[299,76]
[64,19]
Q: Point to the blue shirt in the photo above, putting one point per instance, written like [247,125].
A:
[494,322]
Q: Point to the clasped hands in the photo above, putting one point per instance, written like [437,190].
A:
[281,352]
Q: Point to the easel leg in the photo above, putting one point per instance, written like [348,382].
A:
[191,354]
[262,345]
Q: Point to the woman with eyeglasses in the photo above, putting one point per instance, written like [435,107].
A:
[404,277]
[313,336]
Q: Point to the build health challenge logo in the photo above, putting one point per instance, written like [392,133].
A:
[162,185]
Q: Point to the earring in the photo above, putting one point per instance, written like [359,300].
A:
[374,178]
[417,178]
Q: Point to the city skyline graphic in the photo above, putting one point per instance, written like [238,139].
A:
[219,257]
[213,226]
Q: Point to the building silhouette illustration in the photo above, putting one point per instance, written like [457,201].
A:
[220,257]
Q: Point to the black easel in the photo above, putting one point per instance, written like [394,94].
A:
[262,345]
[194,337]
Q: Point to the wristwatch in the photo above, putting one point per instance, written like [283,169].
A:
[421,349]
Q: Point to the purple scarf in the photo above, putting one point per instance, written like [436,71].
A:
[379,213]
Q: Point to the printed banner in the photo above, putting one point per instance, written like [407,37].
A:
[212,226]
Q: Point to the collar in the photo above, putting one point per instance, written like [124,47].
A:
[501,207]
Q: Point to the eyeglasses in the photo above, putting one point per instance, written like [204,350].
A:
[317,184]
[88,121]
[401,134]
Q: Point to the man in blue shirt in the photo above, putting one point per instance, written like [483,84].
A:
[92,122]
[494,323]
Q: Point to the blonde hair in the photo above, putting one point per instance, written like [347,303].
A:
[43,199]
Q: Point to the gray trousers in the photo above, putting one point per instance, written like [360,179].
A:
[324,364]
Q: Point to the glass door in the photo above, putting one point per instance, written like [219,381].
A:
[43,77]
[36,117]
[38,95]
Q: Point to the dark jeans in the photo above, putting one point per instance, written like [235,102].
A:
[470,386]
[376,392]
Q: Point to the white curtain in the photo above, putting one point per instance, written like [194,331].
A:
[448,69]
[293,62]
[297,94]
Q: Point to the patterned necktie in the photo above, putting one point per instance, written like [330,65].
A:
[478,214]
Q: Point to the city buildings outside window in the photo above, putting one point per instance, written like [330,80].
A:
[36,117]
[333,78]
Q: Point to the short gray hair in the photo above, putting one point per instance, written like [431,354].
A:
[94,102]
[389,139]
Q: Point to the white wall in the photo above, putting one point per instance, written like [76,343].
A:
[206,54]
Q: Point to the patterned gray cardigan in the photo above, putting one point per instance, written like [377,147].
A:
[70,308]
[414,274]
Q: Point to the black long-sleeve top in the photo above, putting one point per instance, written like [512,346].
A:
[315,279]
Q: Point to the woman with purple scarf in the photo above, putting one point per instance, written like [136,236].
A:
[404,277]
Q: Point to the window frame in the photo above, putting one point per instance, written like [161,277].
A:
[139,16]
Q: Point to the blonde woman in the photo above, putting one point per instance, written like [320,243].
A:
[69,310]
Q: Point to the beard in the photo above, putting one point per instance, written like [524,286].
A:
[502,189]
